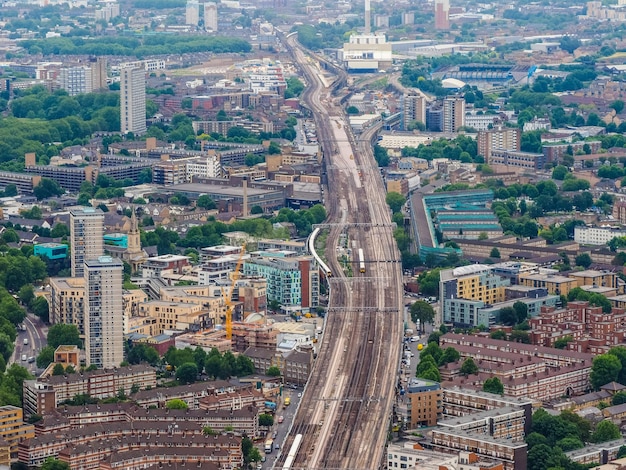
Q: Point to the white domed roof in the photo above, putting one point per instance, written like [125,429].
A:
[452,83]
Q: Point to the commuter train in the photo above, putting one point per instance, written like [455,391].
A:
[311,245]
[361,261]
[293,452]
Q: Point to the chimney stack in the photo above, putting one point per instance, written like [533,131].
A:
[245,196]
[368,20]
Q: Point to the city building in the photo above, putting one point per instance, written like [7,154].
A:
[13,429]
[473,282]
[52,251]
[413,109]
[76,80]
[411,455]
[107,10]
[295,366]
[133,100]
[442,14]
[511,454]
[86,232]
[518,159]
[104,314]
[508,138]
[42,395]
[501,423]
[554,283]
[98,73]
[423,401]
[591,235]
[366,53]
[291,281]
[210,16]
[453,112]
[67,301]
[192,13]
[554,152]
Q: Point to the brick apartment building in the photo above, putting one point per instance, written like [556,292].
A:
[43,395]
[591,330]
[525,370]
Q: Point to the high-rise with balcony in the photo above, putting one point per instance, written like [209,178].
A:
[104,313]
[508,138]
[86,232]
[453,113]
[133,100]
[414,109]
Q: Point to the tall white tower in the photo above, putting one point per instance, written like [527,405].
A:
[104,312]
[210,16]
[368,19]
[133,100]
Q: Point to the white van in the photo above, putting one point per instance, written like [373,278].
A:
[415,339]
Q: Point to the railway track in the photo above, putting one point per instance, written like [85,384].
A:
[348,399]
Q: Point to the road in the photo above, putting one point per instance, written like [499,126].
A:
[347,403]
[36,333]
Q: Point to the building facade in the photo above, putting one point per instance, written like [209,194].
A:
[86,232]
[210,16]
[104,312]
[132,100]
[414,109]
[442,14]
[292,281]
[453,113]
[76,80]
[499,138]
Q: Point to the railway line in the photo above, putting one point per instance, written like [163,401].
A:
[344,413]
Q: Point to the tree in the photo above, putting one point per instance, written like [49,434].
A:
[47,188]
[266,420]
[498,334]
[618,399]
[26,294]
[256,210]
[10,190]
[521,310]
[352,110]
[569,43]
[395,201]
[508,316]
[493,385]
[41,308]
[273,371]
[561,343]
[63,334]
[449,355]
[605,369]
[187,373]
[205,202]
[208,431]
[423,312]
[606,431]
[176,404]
[560,172]
[53,464]
[583,260]
[58,369]
[469,367]
[495,253]
[45,357]
[617,105]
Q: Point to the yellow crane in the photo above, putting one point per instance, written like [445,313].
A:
[229,295]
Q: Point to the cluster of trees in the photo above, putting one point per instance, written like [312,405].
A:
[137,47]
[461,148]
[423,312]
[325,34]
[595,299]
[552,436]
[431,358]
[189,363]
[40,119]
[294,87]
[609,367]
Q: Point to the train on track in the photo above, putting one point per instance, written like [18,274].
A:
[293,452]
[361,261]
[311,245]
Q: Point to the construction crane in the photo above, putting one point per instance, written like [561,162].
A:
[229,295]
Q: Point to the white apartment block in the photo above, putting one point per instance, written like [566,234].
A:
[209,167]
[104,312]
[86,232]
[76,80]
[597,235]
[453,113]
[133,100]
